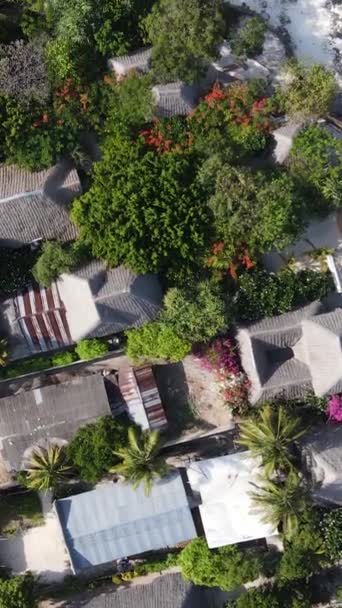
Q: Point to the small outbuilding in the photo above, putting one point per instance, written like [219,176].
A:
[140,393]
[222,487]
[322,457]
[53,412]
[115,521]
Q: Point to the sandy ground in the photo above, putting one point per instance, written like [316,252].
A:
[192,399]
[313,26]
[40,549]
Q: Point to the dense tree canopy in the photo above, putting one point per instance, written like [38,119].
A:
[143,209]
[17,592]
[257,210]
[185,37]
[308,92]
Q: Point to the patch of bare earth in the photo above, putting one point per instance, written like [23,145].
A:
[192,399]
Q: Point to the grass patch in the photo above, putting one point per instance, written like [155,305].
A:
[20,512]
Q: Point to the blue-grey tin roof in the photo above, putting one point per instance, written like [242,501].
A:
[115,521]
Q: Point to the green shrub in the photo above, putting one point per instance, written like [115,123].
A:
[316,158]
[308,91]
[156,341]
[226,567]
[249,39]
[17,592]
[65,358]
[261,294]
[53,261]
[196,312]
[257,598]
[91,349]
[339,593]
[297,562]
[331,530]
[150,566]
[35,364]
[91,449]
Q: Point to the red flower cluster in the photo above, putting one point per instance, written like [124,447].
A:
[217,94]
[220,260]
[155,139]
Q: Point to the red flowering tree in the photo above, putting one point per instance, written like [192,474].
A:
[167,135]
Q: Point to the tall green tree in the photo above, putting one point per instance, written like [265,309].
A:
[185,37]
[271,436]
[257,210]
[90,450]
[53,261]
[196,312]
[47,467]
[282,503]
[308,92]
[141,460]
[143,210]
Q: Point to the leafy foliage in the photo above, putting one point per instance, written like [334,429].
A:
[91,449]
[261,294]
[17,592]
[143,210]
[282,502]
[91,349]
[256,210]
[156,341]
[184,37]
[130,104]
[316,157]
[227,567]
[271,437]
[298,595]
[3,352]
[232,122]
[53,261]
[308,91]
[23,73]
[297,562]
[141,460]
[331,530]
[61,359]
[249,39]
[196,313]
[47,467]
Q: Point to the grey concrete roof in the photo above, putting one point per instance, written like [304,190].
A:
[115,521]
[35,205]
[168,591]
[54,411]
[121,299]
[175,99]
[292,353]
[322,456]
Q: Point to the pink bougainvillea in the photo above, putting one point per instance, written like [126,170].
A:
[222,357]
[334,409]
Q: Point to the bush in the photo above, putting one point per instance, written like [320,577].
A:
[91,449]
[196,313]
[316,158]
[150,566]
[257,598]
[331,530]
[91,349]
[308,91]
[249,39]
[65,358]
[17,592]
[156,341]
[226,567]
[261,294]
[294,596]
[35,364]
[297,562]
[53,261]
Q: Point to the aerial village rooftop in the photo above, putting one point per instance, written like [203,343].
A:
[170,304]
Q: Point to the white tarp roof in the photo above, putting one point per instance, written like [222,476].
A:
[227,511]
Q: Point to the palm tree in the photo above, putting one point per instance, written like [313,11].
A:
[47,467]
[3,352]
[282,502]
[141,462]
[271,437]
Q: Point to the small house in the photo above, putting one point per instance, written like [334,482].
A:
[34,205]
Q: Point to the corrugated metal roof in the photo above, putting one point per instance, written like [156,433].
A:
[116,521]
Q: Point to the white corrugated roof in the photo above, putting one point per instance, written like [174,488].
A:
[228,513]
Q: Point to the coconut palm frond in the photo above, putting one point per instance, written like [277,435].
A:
[47,467]
[141,462]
